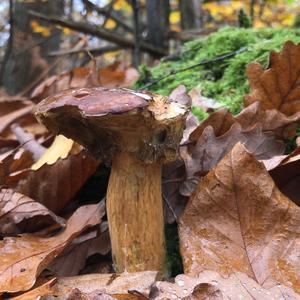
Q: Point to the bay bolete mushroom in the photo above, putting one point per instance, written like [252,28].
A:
[138,131]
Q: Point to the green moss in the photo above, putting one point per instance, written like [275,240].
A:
[225,80]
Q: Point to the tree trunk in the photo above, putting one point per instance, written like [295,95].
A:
[25,57]
[158,22]
[191,13]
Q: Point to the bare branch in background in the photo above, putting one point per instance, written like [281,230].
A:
[99,32]
[93,50]
[110,14]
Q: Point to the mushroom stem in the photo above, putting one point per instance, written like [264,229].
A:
[135,215]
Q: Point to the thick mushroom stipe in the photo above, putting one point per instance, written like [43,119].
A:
[138,131]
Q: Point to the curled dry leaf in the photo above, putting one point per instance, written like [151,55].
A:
[117,74]
[112,284]
[76,294]
[252,116]
[237,220]
[279,85]
[198,100]
[24,258]
[210,285]
[37,292]
[19,213]
[69,167]
[209,149]
[73,259]
[286,175]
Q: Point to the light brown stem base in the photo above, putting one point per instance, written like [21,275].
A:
[135,215]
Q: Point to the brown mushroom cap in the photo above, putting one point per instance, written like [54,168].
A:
[110,121]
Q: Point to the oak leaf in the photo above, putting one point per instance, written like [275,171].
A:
[237,220]
[209,285]
[19,213]
[23,258]
[279,85]
[74,257]
[70,166]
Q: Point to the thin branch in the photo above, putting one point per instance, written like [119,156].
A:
[204,62]
[28,141]
[94,51]
[99,32]
[108,14]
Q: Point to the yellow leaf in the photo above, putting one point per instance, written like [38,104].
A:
[67,30]
[174,17]
[122,4]
[37,28]
[110,24]
[60,148]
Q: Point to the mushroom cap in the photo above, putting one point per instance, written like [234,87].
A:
[110,121]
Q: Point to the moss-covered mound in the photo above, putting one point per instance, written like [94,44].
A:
[224,80]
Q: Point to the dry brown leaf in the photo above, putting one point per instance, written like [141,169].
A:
[19,213]
[117,74]
[9,118]
[286,175]
[198,100]
[237,220]
[210,285]
[23,258]
[252,116]
[55,191]
[36,293]
[279,85]
[179,95]
[112,284]
[99,295]
[73,259]
[76,294]
[210,149]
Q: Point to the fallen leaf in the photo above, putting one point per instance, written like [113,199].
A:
[286,175]
[8,119]
[117,74]
[19,213]
[210,285]
[67,176]
[112,284]
[238,221]
[24,257]
[279,85]
[60,148]
[73,259]
[36,293]
[209,149]
[76,294]
[198,100]
[179,95]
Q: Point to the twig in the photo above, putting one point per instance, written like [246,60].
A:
[137,37]
[95,50]
[139,294]
[110,36]
[28,141]
[108,14]
[204,62]
[170,207]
